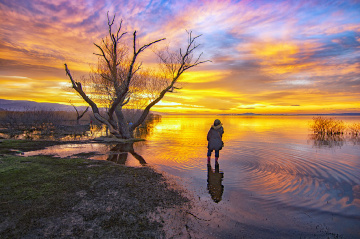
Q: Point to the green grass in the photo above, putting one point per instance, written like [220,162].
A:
[40,195]
[13,146]
[35,177]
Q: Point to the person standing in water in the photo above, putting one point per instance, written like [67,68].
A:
[214,138]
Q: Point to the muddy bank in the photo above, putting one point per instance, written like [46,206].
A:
[45,197]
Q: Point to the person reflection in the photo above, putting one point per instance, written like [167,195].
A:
[119,153]
[214,180]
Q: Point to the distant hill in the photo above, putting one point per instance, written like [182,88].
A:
[243,114]
[23,105]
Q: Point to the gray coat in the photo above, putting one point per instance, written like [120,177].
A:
[214,137]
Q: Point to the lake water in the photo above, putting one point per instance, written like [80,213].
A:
[274,178]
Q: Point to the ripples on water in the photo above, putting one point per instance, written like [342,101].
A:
[270,157]
[297,176]
[272,161]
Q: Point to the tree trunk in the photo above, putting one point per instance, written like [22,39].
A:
[124,128]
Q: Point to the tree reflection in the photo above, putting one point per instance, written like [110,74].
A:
[119,154]
[214,185]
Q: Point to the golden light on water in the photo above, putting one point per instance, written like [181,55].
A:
[184,135]
[273,157]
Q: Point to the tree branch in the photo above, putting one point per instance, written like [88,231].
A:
[103,54]
[130,74]
[126,102]
[184,62]
[86,110]
[78,89]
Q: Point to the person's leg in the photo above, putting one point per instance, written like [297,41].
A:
[209,155]
[216,156]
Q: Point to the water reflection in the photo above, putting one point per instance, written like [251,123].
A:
[325,140]
[214,180]
[333,140]
[119,154]
[355,139]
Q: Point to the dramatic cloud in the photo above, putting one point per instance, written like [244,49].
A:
[266,56]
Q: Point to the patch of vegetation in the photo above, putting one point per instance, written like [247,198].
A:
[42,197]
[13,146]
[329,126]
[330,132]
[355,129]
[31,122]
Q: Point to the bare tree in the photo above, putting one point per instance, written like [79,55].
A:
[119,80]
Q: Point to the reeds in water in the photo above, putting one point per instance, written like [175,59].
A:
[354,129]
[329,126]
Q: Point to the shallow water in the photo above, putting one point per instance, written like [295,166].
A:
[272,176]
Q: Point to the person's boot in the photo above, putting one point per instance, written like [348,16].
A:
[208,159]
[216,160]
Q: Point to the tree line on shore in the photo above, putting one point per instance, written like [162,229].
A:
[58,123]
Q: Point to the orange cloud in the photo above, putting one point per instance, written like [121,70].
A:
[266,56]
[202,76]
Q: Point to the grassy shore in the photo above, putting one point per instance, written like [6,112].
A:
[46,197]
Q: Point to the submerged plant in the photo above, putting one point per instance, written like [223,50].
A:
[354,129]
[327,126]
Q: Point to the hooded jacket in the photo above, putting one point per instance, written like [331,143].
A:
[214,137]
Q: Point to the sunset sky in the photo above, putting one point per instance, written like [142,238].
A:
[266,56]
